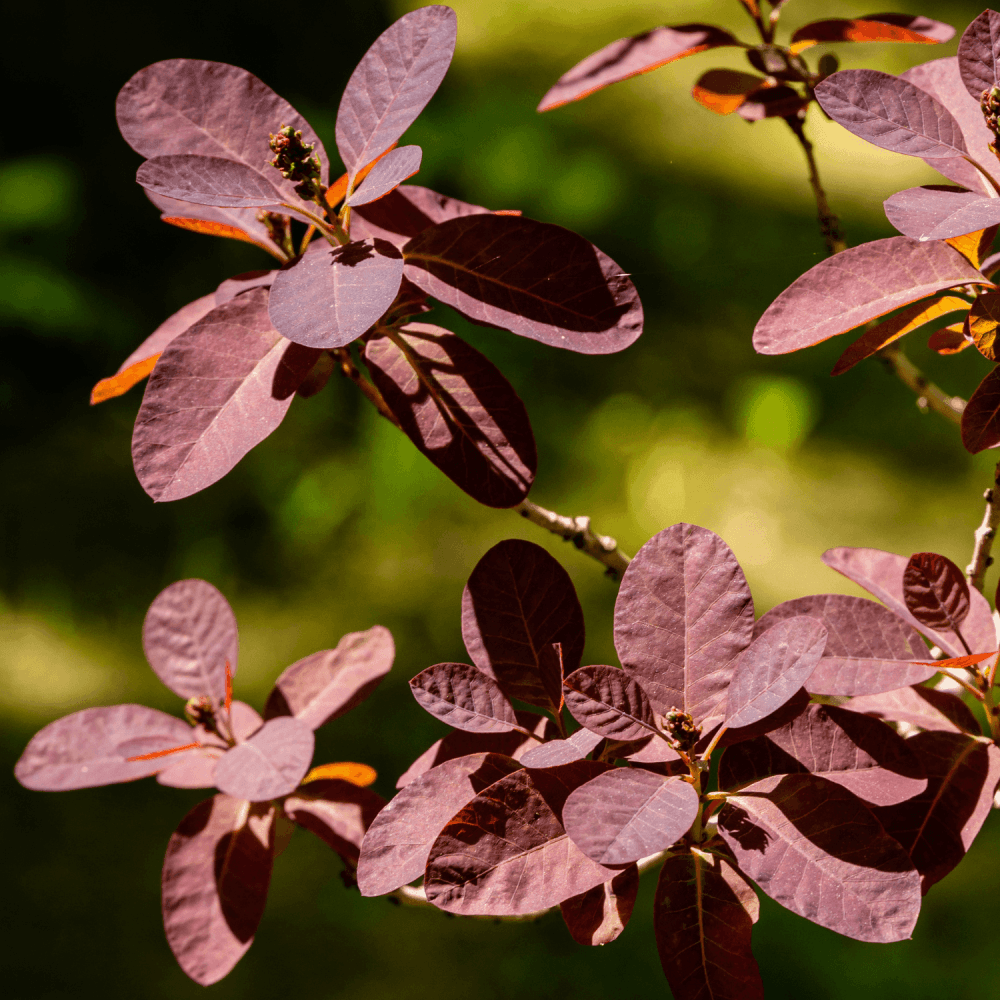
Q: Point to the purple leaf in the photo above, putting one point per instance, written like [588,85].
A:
[792,709]
[535,279]
[393,82]
[936,592]
[189,635]
[243,721]
[216,875]
[333,295]
[91,748]
[858,285]
[407,212]
[599,915]
[209,180]
[919,706]
[683,616]
[610,703]
[325,685]
[458,409]
[855,751]
[191,769]
[655,750]
[773,668]
[939,826]
[389,172]
[626,814]
[464,697]
[269,764]
[240,283]
[938,212]
[891,113]
[978,52]
[506,852]
[632,56]
[217,391]
[338,813]
[818,850]
[981,416]
[703,915]
[234,223]
[519,600]
[399,840]
[556,752]
[869,649]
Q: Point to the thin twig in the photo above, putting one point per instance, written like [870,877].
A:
[929,396]
[577,530]
[350,370]
[829,224]
[975,572]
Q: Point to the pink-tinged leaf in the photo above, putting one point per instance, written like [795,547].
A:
[518,601]
[464,697]
[818,850]
[232,223]
[533,278]
[269,764]
[920,706]
[936,592]
[393,82]
[724,90]
[627,813]
[703,915]
[855,751]
[881,574]
[869,649]
[91,748]
[771,102]
[978,52]
[240,283]
[873,28]
[556,752]
[189,635]
[610,703]
[939,212]
[458,409]
[506,852]
[792,709]
[891,113]
[683,616]
[939,826]
[631,56]
[407,212]
[655,750]
[217,391]
[333,295]
[244,721]
[337,811]
[216,874]
[399,840]
[599,915]
[981,416]
[191,769]
[209,180]
[858,285]
[322,687]
[391,170]
[773,668]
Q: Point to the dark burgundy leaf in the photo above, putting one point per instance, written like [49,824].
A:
[627,813]
[978,52]
[857,752]
[818,850]
[919,706]
[519,600]
[241,283]
[232,223]
[773,668]
[724,90]
[792,709]
[399,839]
[599,915]
[610,703]
[556,752]
[337,811]
[389,172]
[269,764]
[703,915]
[216,875]
[393,82]
[209,180]
[458,409]
[632,56]
[407,212]
[771,102]
[869,649]
[325,685]
[90,748]
[219,389]
[858,285]
[655,750]
[506,852]
[981,416]
[333,295]
[874,28]
[533,278]
[463,697]
[936,592]
[683,615]
[938,212]
[189,635]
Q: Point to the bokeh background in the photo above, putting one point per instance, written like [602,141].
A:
[337,523]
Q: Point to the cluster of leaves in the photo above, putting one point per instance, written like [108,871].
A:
[218,863]
[941,268]
[225,155]
[846,787]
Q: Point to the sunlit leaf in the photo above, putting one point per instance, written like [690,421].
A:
[950,339]
[464,697]
[609,702]
[936,592]
[269,764]
[978,52]
[336,810]
[360,775]
[873,28]
[938,211]
[389,172]
[724,90]
[918,706]
[555,752]
[984,321]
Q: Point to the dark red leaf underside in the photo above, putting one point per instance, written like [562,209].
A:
[271,763]
[981,416]
[599,915]
[610,703]
[940,212]
[337,811]
[978,52]
[936,592]
[919,706]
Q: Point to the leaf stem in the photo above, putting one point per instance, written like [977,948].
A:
[829,224]
[710,749]
[975,572]
[350,370]
[929,396]
[972,689]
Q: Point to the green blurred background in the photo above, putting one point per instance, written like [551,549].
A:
[337,523]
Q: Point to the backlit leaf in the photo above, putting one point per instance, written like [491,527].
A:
[771,102]
[951,339]
[981,416]
[599,915]
[407,212]
[984,321]
[937,212]
[631,56]
[360,775]
[388,173]
[978,52]
[724,90]
[874,28]
[920,706]
[337,811]
[936,592]
[209,180]
[234,223]
[335,192]
[975,247]
[464,697]
[609,702]
[555,752]
[269,764]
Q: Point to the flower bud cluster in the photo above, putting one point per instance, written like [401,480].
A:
[990,103]
[295,159]
[680,727]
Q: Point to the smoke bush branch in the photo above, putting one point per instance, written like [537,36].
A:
[975,572]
